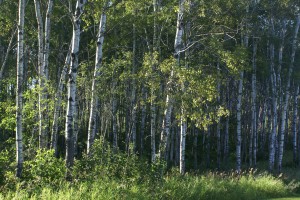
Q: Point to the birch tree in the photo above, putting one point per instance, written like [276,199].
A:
[98,63]
[169,99]
[72,74]
[295,116]
[7,53]
[287,94]
[43,54]
[274,110]
[19,95]
[253,138]
[42,75]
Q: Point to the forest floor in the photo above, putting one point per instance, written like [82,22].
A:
[119,176]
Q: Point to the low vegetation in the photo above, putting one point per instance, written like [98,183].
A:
[107,174]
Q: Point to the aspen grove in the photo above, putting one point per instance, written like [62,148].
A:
[189,85]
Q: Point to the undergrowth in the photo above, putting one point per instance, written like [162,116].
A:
[110,174]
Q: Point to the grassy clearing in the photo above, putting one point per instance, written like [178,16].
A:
[118,176]
[210,186]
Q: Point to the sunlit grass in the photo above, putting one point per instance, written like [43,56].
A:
[210,186]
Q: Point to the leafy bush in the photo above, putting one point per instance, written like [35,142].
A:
[104,161]
[44,168]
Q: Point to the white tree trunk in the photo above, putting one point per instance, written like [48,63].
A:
[255,109]
[94,100]
[274,111]
[133,104]
[114,117]
[7,53]
[19,95]
[295,115]
[239,123]
[47,38]
[253,136]
[183,129]
[287,95]
[69,127]
[153,128]
[42,76]
[169,99]
[239,115]
[76,109]
[153,106]
[219,124]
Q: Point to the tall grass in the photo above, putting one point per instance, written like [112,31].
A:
[210,186]
[115,175]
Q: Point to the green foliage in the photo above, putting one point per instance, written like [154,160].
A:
[6,160]
[212,186]
[8,121]
[44,168]
[105,161]
[221,186]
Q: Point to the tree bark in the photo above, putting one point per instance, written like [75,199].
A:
[42,76]
[114,116]
[274,111]
[253,138]
[47,38]
[169,99]
[7,53]
[239,124]
[19,95]
[72,74]
[287,95]
[94,99]
[295,115]
[183,128]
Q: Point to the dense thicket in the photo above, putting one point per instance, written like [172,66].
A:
[188,83]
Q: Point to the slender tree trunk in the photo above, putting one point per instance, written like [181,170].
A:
[177,143]
[57,104]
[19,95]
[219,125]
[47,38]
[114,116]
[42,76]
[274,113]
[195,148]
[7,53]
[133,104]
[272,137]
[295,115]
[183,128]
[169,98]
[153,128]
[253,138]
[226,136]
[143,120]
[172,145]
[76,117]
[94,99]
[69,132]
[287,95]
[207,147]
[183,107]
[239,124]
[153,106]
